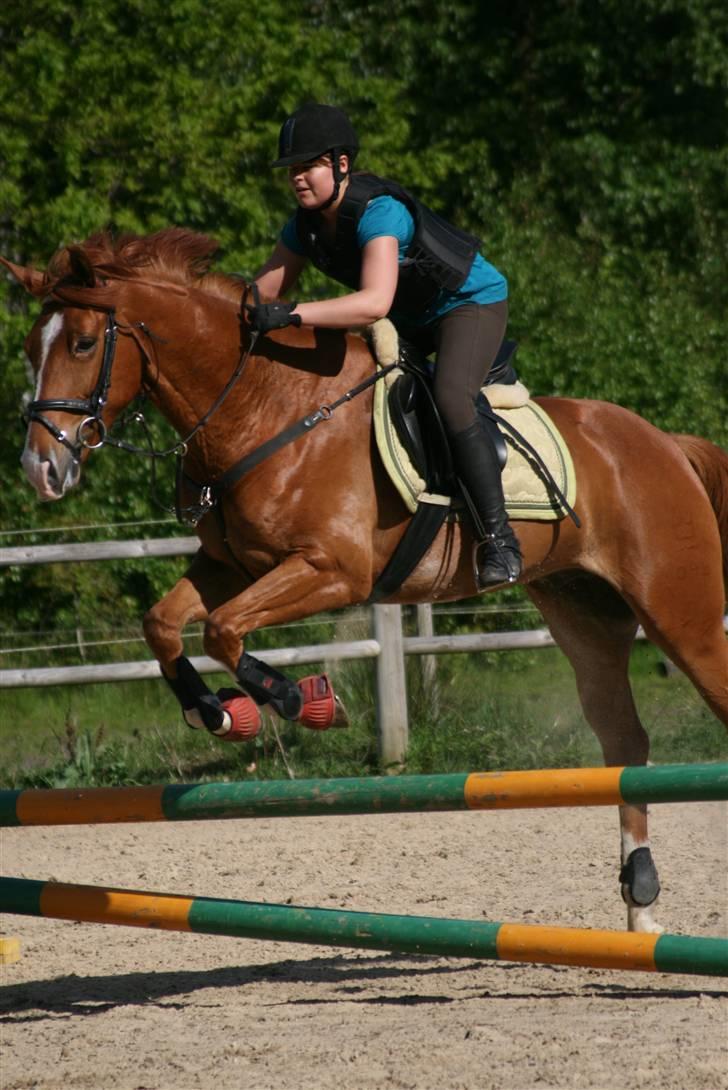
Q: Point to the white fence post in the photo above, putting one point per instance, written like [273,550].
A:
[392,723]
[425,627]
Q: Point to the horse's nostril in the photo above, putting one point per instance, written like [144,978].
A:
[52,476]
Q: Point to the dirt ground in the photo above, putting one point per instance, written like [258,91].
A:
[114,1007]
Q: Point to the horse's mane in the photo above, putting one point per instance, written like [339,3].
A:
[175,256]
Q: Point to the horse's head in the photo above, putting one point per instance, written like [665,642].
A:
[84,373]
[91,349]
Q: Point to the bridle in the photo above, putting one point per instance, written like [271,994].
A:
[90,408]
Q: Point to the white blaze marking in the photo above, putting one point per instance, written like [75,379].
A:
[50,331]
[35,469]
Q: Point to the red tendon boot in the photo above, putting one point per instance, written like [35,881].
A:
[320,707]
[244,714]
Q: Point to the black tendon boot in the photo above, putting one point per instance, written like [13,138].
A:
[497,557]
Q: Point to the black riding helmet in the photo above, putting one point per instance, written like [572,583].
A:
[314,130]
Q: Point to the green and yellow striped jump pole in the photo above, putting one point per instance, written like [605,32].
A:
[367,930]
[376,794]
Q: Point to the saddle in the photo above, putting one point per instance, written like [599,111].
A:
[418,423]
[539,481]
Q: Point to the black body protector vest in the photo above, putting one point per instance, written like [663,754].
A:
[438,259]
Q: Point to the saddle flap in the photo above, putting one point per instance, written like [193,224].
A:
[420,430]
[489,422]
[539,480]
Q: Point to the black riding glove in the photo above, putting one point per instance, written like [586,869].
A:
[267,316]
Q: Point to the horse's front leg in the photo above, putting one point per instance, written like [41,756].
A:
[297,587]
[204,586]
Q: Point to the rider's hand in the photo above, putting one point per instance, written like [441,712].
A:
[267,316]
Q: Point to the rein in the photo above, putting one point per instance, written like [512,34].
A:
[91,409]
[211,494]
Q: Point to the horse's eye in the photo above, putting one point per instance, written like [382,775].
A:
[85,344]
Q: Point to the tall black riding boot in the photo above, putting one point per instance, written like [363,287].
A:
[497,557]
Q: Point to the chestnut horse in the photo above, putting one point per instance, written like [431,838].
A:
[311,526]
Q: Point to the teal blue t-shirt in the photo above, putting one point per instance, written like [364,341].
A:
[386,216]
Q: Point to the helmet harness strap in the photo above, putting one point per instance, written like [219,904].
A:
[338,178]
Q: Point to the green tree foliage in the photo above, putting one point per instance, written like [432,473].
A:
[585,143]
[589,145]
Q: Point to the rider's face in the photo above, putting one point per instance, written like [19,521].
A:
[313,182]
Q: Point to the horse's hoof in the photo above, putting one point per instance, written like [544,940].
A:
[641,919]
[242,720]
[321,706]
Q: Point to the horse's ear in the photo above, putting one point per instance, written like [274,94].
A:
[81,267]
[32,280]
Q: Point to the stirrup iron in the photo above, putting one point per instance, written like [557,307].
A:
[498,554]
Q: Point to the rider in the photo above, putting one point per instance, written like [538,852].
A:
[400,260]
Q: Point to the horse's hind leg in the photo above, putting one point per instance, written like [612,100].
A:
[595,629]
[684,618]
[669,567]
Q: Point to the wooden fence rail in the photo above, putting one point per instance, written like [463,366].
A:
[98,550]
[387,646]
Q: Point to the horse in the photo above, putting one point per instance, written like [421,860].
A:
[311,519]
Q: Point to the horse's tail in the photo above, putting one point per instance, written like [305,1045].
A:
[711,465]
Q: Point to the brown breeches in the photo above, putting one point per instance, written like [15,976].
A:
[466,341]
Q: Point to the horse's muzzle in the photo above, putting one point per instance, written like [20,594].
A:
[52,474]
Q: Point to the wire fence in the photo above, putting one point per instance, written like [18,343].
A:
[62,531]
[387,644]
[63,645]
